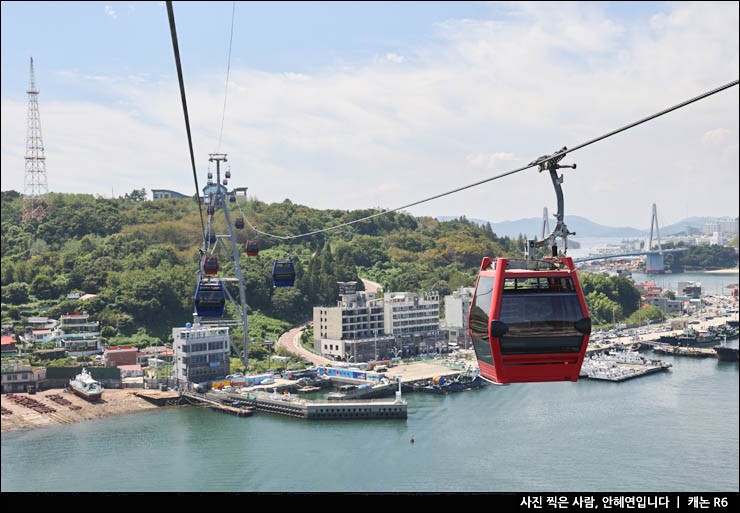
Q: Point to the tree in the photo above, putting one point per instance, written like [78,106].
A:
[16,293]
[136,195]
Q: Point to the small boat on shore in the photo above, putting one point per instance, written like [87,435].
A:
[85,386]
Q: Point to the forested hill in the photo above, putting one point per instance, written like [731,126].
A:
[141,258]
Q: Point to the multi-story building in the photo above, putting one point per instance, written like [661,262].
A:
[669,306]
[414,321]
[78,335]
[689,290]
[353,330]
[362,327]
[728,226]
[457,306]
[201,353]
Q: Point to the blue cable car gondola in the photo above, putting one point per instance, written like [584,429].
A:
[210,298]
[283,273]
[528,320]
[239,223]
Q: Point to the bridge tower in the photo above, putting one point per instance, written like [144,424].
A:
[654,262]
[35,186]
[545,224]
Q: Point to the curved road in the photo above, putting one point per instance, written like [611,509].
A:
[291,341]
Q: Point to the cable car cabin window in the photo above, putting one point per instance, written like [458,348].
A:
[540,314]
[478,321]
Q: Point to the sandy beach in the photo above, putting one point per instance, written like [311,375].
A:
[114,402]
[724,271]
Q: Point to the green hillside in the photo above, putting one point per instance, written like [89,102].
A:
[141,258]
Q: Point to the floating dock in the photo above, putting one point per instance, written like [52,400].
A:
[292,406]
[620,366]
[697,352]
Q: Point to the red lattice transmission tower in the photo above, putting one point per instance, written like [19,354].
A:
[35,186]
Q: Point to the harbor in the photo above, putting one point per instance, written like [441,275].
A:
[193,449]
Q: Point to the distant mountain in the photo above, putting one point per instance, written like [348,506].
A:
[690,225]
[583,227]
[532,227]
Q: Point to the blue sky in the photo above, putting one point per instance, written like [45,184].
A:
[379,104]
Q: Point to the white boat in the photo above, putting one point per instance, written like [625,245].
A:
[86,386]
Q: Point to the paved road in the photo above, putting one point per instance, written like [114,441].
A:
[291,341]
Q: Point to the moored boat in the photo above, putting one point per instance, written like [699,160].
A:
[726,354]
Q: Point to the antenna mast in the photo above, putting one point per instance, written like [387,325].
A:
[35,186]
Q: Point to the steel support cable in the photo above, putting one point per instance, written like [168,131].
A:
[226,86]
[176,49]
[536,163]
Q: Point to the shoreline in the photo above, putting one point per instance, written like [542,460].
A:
[113,402]
[734,270]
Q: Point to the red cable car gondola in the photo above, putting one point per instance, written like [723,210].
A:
[529,321]
[210,265]
[528,318]
[253,247]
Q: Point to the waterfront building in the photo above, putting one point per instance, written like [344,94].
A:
[363,327]
[78,335]
[414,321]
[457,306]
[201,353]
[353,330]
[20,377]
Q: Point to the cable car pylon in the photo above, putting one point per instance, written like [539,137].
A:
[216,200]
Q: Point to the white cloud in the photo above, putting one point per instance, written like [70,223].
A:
[110,12]
[718,135]
[490,94]
[395,58]
[491,160]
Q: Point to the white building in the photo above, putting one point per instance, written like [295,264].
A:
[407,313]
[457,306]
[362,327]
[201,353]
[354,329]
[78,335]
